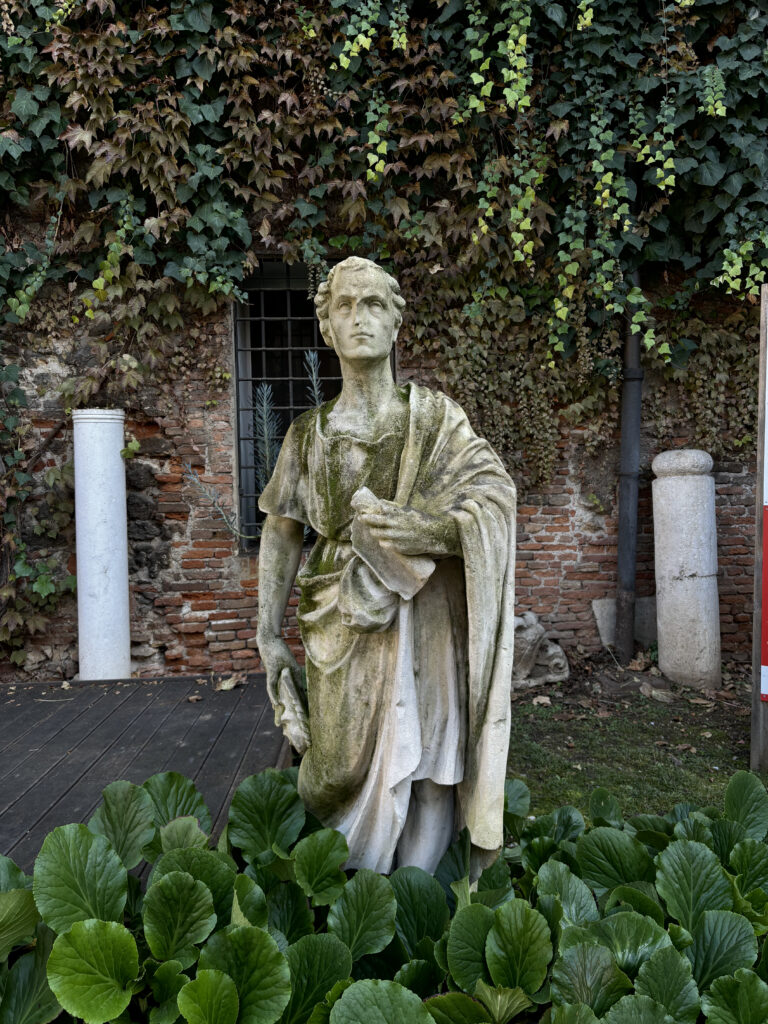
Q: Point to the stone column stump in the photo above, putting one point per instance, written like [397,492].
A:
[685,539]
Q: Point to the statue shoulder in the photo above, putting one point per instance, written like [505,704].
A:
[437,403]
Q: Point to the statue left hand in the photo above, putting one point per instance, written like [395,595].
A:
[412,532]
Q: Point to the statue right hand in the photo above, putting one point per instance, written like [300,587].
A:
[290,715]
[275,656]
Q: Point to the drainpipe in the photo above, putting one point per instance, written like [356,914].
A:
[629,472]
[103,614]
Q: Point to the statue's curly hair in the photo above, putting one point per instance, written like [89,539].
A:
[323,296]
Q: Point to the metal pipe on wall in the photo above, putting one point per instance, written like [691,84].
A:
[629,473]
[101,525]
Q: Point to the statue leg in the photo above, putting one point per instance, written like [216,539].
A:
[428,827]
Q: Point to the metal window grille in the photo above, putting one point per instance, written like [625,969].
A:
[274,332]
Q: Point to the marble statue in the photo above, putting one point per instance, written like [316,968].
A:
[406,599]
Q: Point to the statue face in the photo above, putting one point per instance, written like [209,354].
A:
[362,315]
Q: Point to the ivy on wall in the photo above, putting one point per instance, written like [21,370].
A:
[512,162]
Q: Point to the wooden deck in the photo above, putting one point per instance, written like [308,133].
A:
[60,747]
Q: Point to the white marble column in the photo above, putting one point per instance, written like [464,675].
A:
[685,539]
[103,612]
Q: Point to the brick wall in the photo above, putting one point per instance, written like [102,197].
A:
[194,597]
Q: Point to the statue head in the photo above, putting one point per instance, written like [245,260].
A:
[357,277]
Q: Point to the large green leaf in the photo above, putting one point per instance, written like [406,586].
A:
[176,796]
[166,981]
[517,798]
[722,943]
[725,835]
[666,977]
[631,937]
[178,914]
[641,897]
[422,909]
[456,1008]
[249,905]
[210,999]
[11,876]
[738,999]
[318,860]
[501,1003]
[518,948]
[27,997]
[749,859]
[317,963]
[126,817]
[215,870]
[266,810]
[588,974]
[608,857]
[180,834]
[322,1011]
[578,903]
[424,977]
[289,911]
[91,970]
[466,945]
[605,809]
[379,1002]
[637,1010]
[746,801]
[572,1013]
[78,876]
[568,824]
[18,917]
[690,879]
[363,917]
[259,970]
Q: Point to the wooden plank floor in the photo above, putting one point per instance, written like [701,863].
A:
[60,747]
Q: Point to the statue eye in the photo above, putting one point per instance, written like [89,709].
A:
[343,305]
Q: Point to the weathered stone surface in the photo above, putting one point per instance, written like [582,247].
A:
[538,660]
[406,599]
[686,568]
[604,610]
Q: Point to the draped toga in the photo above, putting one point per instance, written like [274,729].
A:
[408,660]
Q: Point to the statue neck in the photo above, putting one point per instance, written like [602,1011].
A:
[368,389]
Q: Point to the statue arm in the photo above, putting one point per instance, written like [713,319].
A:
[412,532]
[279,556]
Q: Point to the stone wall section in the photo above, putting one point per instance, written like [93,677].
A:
[194,595]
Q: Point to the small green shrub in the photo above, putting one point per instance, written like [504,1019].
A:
[650,920]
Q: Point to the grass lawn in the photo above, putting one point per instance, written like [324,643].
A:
[651,749]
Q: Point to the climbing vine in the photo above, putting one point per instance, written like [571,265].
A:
[513,162]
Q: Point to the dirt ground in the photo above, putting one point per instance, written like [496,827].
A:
[651,743]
